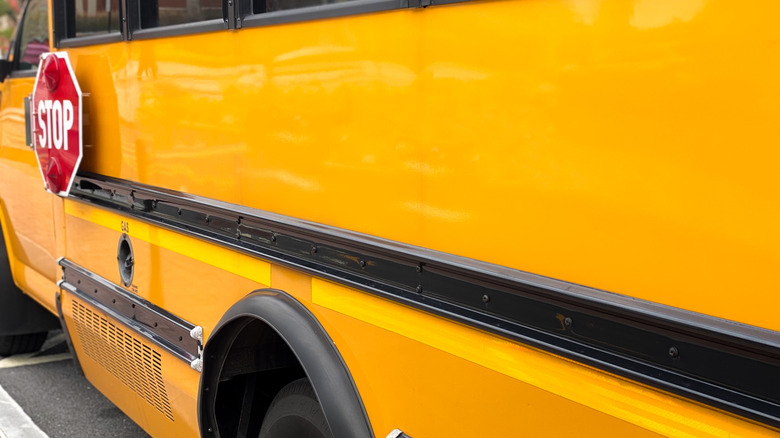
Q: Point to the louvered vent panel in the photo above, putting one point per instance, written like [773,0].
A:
[130,360]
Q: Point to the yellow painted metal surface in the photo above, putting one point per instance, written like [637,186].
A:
[501,386]
[220,258]
[174,272]
[426,370]
[164,406]
[624,145]
[26,207]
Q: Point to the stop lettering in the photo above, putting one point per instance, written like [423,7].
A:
[55,119]
[56,122]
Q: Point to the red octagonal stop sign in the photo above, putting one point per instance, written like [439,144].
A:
[56,122]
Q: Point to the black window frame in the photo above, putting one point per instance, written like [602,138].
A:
[242,14]
[309,13]
[64,21]
[134,30]
[129,28]
[236,14]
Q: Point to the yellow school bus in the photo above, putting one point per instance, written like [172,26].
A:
[407,218]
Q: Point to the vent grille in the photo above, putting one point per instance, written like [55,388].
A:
[133,362]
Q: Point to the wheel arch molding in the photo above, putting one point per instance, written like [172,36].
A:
[312,347]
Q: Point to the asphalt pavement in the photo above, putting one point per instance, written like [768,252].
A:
[41,394]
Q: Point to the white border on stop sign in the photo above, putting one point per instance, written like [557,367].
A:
[61,55]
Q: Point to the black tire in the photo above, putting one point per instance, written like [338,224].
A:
[295,413]
[18,344]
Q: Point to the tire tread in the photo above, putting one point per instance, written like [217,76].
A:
[296,398]
[18,344]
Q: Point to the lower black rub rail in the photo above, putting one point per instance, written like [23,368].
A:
[159,326]
[727,365]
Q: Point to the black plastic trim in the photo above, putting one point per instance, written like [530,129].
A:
[76,363]
[60,22]
[722,363]
[180,29]
[323,11]
[91,40]
[157,325]
[447,2]
[316,352]
[426,3]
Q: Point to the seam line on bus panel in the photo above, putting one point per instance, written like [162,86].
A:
[721,363]
[220,257]
[153,323]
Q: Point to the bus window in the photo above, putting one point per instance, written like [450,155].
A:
[95,17]
[35,35]
[169,12]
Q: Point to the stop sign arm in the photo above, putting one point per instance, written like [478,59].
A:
[29,122]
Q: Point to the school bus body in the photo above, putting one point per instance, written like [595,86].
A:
[626,146]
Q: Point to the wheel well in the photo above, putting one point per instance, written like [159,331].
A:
[19,313]
[258,364]
[263,342]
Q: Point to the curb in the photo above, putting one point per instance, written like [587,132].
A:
[14,422]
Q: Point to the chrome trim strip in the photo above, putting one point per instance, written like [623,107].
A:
[155,324]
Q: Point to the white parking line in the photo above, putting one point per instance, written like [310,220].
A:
[14,423]
[21,360]
[32,359]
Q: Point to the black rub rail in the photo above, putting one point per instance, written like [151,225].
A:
[727,365]
[158,325]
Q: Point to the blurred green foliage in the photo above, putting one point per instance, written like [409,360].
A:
[6,9]
[8,20]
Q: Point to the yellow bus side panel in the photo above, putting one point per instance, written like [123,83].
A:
[26,207]
[412,340]
[414,371]
[624,145]
[185,276]
[156,389]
